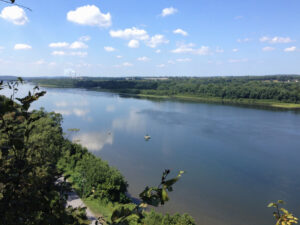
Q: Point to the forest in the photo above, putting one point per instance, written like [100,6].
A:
[279,88]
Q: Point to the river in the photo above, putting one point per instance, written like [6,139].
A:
[237,159]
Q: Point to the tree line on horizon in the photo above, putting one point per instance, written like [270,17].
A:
[276,88]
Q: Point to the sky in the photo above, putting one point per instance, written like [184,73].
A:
[115,38]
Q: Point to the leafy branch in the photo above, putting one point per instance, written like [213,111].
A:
[153,196]
[282,216]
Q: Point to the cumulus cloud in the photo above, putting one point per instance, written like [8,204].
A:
[59,45]
[290,49]
[158,51]
[168,11]
[235,50]
[190,48]
[14,14]
[276,40]
[22,47]
[156,40]
[180,31]
[78,45]
[161,65]
[40,62]
[136,35]
[127,64]
[134,44]
[119,56]
[89,15]
[268,49]
[109,49]
[143,59]
[130,33]
[58,53]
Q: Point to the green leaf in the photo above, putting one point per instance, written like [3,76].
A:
[272,204]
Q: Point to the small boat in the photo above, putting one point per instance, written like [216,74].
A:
[147,137]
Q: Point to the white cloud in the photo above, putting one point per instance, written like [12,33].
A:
[290,49]
[158,51]
[143,59]
[119,56]
[22,47]
[109,49]
[135,35]
[127,64]
[276,40]
[268,49]
[235,50]
[40,62]
[237,60]
[184,60]
[189,48]
[180,31]
[161,65]
[14,14]
[59,45]
[168,11]
[78,45]
[156,40]
[58,53]
[134,44]
[130,33]
[89,15]
[80,54]
[171,62]
[243,40]
[85,38]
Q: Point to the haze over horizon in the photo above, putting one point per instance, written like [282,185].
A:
[157,38]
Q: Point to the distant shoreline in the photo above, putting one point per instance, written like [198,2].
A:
[241,101]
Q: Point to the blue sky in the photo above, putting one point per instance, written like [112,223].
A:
[150,38]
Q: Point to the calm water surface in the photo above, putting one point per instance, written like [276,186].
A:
[237,159]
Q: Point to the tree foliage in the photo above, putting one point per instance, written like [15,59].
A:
[276,88]
[153,196]
[30,147]
[282,216]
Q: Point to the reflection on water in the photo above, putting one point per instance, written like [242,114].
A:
[94,141]
[237,159]
[134,122]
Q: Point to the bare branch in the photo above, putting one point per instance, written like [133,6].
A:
[12,2]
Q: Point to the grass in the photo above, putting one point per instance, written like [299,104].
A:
[100,208]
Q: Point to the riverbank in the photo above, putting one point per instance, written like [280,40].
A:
[240,101]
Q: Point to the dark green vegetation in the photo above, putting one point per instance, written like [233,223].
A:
[275,91]
[30,144]
[34,155]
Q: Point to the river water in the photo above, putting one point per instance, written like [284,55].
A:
[237,159]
